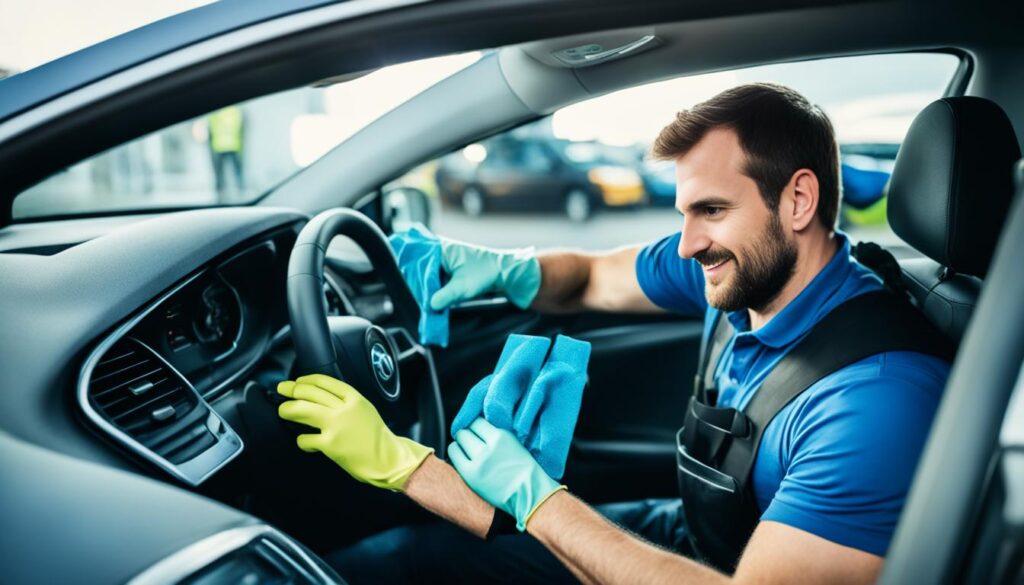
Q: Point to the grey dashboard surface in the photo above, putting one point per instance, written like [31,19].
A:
[71,521]
[50,237]
[54,308]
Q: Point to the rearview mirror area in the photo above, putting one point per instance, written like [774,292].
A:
[405,206]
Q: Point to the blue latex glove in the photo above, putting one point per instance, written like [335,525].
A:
[418,252]
[500,470]
[475,270]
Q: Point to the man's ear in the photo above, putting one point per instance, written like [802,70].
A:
[805,198]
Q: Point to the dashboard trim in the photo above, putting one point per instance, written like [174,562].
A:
[201,554]
[123,438]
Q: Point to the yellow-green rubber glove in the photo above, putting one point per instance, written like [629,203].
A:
[351,433]
[475,270]
[496,466]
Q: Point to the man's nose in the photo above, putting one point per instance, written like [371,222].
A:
[692,240]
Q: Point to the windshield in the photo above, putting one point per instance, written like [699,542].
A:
[232,155]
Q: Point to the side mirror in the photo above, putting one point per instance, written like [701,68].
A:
[405,206]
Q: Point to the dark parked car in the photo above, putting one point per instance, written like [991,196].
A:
[538,173]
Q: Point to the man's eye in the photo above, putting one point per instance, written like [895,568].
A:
[712,211]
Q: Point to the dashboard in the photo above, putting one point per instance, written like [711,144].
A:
[116,356]
[148,387]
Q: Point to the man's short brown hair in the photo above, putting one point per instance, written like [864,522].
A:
[780,133]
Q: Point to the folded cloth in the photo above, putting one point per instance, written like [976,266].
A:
[419,256]
[496,395]
[546,419]
[533,394]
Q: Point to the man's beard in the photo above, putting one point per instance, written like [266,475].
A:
[756,282]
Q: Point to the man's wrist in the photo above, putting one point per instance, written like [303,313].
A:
[436,486]
[540,519]
[421,472]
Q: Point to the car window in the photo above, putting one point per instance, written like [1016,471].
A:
[611,194]
[232,155]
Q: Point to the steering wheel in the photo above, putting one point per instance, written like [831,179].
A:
[383,361]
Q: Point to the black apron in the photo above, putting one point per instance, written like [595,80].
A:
[717,446]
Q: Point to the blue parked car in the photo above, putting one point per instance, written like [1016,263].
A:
[865,170]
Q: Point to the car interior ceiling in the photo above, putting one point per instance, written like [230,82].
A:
[518,83]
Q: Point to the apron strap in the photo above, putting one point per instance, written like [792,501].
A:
[711,349]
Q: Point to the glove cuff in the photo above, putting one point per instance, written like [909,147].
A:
[526,521]
[520,277]
[532,493]
[413,455]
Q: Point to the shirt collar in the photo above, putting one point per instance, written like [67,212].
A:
[803,312]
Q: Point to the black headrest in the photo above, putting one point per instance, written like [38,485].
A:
[953,182]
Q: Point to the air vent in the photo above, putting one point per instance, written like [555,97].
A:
[143,402]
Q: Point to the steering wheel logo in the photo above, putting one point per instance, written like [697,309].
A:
[382,362]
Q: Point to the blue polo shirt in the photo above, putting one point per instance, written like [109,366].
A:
[838,460]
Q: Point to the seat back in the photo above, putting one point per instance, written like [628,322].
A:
[949,195]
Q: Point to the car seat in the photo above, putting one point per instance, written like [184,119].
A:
[949,195]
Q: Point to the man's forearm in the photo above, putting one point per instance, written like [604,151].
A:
[564,278]
[575,281]
[437,487]
[604,553]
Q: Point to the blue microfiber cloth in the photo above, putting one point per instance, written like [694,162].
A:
[546,419]
[540,403]
[496,396]
[419,259]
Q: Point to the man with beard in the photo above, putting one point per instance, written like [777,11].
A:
[757,253]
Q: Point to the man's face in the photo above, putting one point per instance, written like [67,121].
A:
[746,251]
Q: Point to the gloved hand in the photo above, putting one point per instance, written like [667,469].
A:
[351,433]
[475,270]
[500,470]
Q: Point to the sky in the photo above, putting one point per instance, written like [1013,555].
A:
[33,32]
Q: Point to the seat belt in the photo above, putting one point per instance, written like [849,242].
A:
[867,325]
[884,264]
[871,255]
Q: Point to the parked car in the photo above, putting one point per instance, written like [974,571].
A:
[659,182]
[538,174]
[866,169]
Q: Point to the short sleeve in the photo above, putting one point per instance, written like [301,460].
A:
[852,454]
[673,283]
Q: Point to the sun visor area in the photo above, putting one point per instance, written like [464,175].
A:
[587,50]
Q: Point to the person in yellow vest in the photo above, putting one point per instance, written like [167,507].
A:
[226,131]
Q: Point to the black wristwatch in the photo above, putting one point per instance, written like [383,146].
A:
[502,523]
